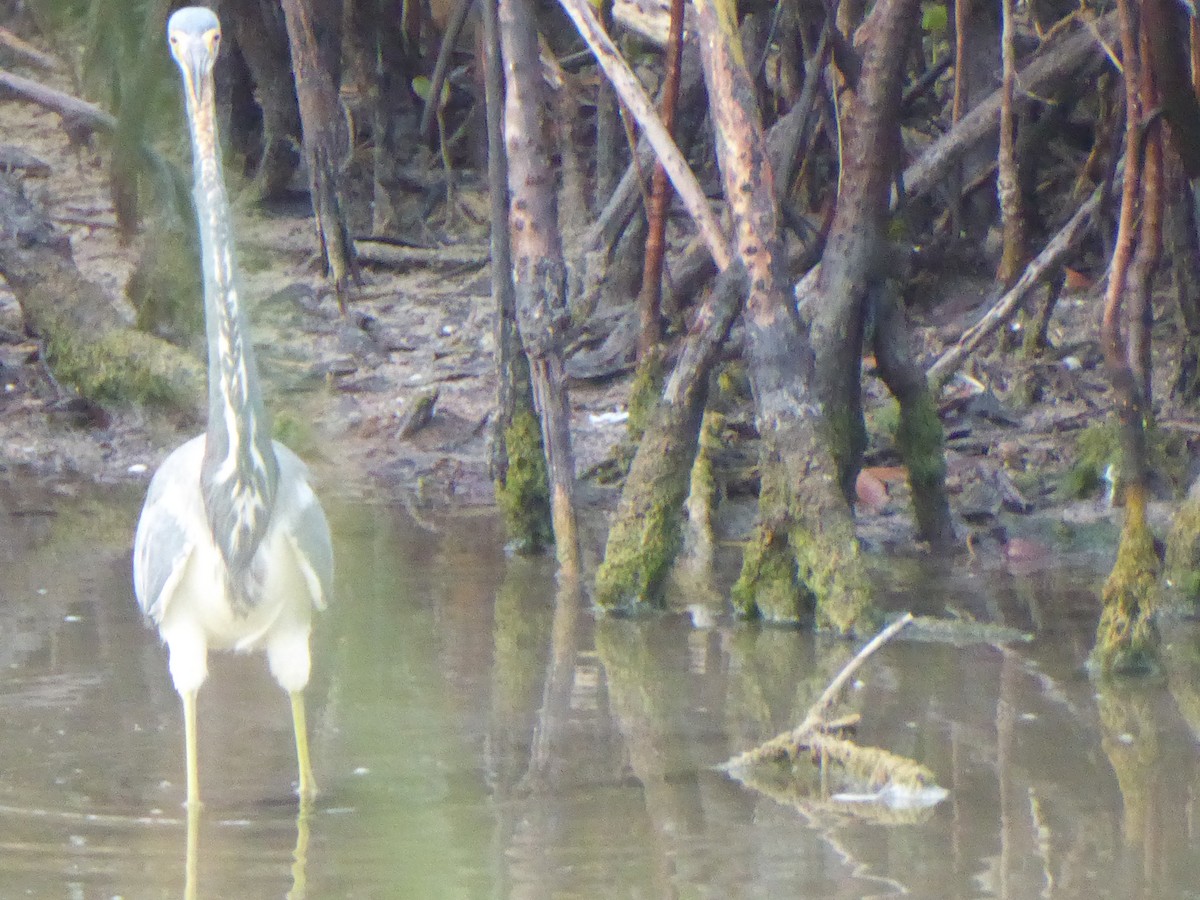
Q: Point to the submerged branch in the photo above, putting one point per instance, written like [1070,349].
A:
[868,775]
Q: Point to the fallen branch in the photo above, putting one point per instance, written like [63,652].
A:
[790,742]
[1045,70]
[76,113]
[394,256]
[878,777]
[1007,305]
[26,53]
[80,118]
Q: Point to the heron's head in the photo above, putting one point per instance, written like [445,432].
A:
[194,34]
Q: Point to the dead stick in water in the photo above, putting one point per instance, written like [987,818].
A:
[785,744]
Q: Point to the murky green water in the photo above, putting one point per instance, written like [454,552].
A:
[474,739]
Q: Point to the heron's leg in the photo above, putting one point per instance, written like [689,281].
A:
[308,784]
[192,862]
[189,738]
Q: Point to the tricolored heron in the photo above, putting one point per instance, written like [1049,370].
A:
[232,549]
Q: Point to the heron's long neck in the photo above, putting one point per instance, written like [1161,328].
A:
[240,471]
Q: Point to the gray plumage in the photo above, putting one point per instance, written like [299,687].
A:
[232,550]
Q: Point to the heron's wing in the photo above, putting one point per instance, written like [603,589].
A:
[164,541]
[314,549]
[160,555]
[306,527]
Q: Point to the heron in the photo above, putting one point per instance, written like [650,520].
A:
[232,550]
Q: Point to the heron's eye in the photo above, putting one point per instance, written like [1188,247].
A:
[174,39]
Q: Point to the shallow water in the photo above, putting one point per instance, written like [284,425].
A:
[474,738]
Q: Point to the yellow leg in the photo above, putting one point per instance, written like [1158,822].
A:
[189,738]
[308,785]
[300,855]
[192,862]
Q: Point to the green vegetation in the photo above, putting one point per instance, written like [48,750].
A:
[524,494]
[1127,639]
[166,287]
[1182,565]
[125,368]
[1098,447]
[797,567]
[642,549]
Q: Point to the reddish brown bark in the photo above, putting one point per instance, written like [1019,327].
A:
[650,300]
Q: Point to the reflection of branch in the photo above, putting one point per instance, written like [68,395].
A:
[546,750]
[894,781]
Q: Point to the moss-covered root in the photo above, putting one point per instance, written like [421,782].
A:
[921,441]
[1182,570]
[1126,639]
[524,493]
[644,394]
[803,563]
[123,366]
[645,536]
[702,498]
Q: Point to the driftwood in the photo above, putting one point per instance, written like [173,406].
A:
[873,777]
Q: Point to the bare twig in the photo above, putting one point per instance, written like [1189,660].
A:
[1006,307]
[817,711]
[785,744]
[634,97]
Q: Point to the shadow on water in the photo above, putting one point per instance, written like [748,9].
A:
[477,733]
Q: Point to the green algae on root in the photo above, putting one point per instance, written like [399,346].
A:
[524,494]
